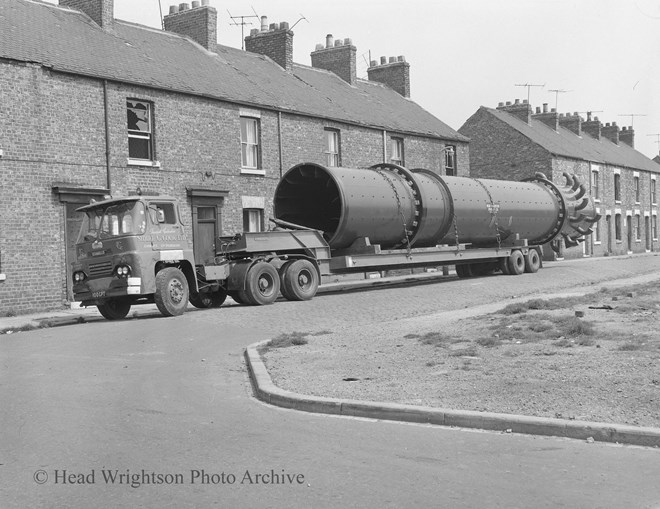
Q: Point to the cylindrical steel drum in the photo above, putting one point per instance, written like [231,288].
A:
[397,207]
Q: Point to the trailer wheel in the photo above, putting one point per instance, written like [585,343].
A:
[516,263]
[464,270]
[504,266]
[171,292]
[115,309]
[299,280]
[208,299]
[262,285]
[532,261]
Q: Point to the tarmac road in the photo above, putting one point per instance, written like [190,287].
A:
[171,397]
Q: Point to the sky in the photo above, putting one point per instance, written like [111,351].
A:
[601,54]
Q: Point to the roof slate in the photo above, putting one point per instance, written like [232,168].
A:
[564,142]
[68,41]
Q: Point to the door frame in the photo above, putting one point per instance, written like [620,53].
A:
[201,197]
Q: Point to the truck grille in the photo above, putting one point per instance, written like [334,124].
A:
[101,269]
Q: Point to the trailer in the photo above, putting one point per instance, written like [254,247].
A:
[328,221]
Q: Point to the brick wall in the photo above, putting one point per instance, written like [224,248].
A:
[52,132]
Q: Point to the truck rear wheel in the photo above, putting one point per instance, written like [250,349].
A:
[299,280]
[115,309]
[171,292]
[516,263]
[262,285]
[532,261]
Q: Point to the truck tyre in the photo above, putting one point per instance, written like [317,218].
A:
[532,261]
[171,292]
[205,300]
[262,285]
[115,309]
[504,266]
[299,280]
[464,270]
[516,263]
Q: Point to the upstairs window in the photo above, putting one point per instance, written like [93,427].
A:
[250,146]
[653,198]
[595,189]
[617,187]
[396,151]
[450,160]
[636,187]
[140,130]
[332,154]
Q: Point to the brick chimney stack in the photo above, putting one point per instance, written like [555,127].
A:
[101,11]
[274,41]
[549,118]
[395,74]
[521,110]
[611,132]
[592,127]
[571,122]
[199,23]
[627,136]
[338,57]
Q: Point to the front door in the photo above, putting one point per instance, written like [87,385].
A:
[206,231]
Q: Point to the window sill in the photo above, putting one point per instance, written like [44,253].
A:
[596,200]
[3,277]
[253,171]
[143,162]
[597,242]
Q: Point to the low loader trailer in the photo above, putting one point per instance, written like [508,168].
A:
[329,221]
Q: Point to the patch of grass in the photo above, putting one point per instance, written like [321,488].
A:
[11,313]
[437,339]
[631,346]
[286,340]
[470,351]
[489,342]
[563,343]
[575,327]
[540,326]
[320,333]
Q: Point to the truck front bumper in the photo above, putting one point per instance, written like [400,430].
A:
[104,288]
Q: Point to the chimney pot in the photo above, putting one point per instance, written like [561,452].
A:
[553,110]
[329,41]
[319,47]
[174,9]
[264,23]
[538,110]
[545,107]
[348,42]
[195,4]
[373,63]
[338,42]
[383,60]
[273,26]
[500,104]
[517,101]
[205,3]
[401,58]
[183,7]
[254,32]
[284,25]
[525,101]
[392,60]
[607,124]
[508,103]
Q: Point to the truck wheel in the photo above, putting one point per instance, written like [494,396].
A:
[262,285]
[464,270]
[299,280]
[516,263]
[532,261]
[115,309]
[504,266]
[207,300]
[171,292]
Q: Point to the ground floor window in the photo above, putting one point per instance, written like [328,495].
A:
[253,220]
[617,227]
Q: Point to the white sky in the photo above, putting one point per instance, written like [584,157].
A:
[469,53]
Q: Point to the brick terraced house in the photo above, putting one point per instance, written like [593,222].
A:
[92,105]
[512,142]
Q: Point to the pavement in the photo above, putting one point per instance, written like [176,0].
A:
[266,391]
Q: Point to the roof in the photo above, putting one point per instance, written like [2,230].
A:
[69,41]
[566,143]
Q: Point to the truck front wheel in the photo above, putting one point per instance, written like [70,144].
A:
[114,309]
[171,295]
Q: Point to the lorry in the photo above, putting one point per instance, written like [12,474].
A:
[328,221]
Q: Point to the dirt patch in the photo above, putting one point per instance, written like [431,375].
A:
[595,357]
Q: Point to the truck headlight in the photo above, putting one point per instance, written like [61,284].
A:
[123,271]
[79,276]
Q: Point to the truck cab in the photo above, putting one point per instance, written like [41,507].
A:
[133,250]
